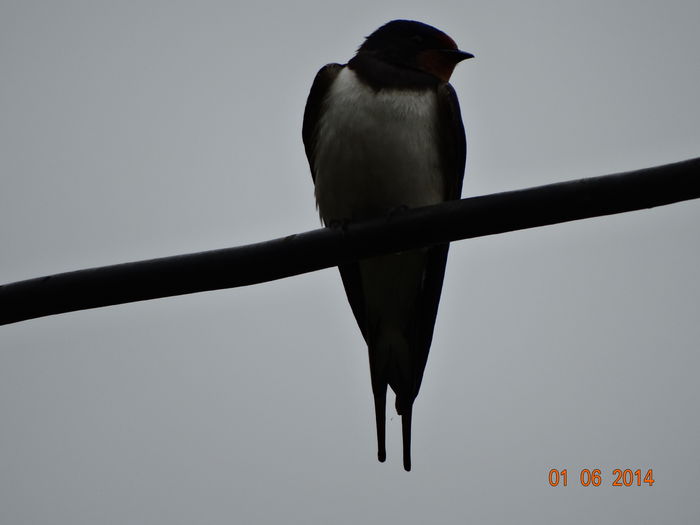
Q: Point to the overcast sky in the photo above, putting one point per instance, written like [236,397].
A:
[132,130]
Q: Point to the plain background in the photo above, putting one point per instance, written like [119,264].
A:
[132,130]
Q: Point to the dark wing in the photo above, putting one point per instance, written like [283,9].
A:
[453,141]
[352,282]
[453,156]
[314,108]
[453,153]
[350,273]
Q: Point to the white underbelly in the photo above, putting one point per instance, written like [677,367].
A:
[375,151]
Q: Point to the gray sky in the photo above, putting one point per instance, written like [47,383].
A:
[133,130]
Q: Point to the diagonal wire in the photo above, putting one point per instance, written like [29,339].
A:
[326,247]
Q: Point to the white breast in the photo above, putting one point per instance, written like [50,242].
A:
[375,151]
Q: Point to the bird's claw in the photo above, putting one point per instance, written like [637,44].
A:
[341,225]
[396,210]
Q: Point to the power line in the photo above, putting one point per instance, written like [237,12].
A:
[326,247]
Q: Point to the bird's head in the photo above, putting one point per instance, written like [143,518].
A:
[414,45]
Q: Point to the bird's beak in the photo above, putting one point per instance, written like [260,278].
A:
[441,62]
[456,55]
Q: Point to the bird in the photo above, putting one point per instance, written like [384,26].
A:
[382,133]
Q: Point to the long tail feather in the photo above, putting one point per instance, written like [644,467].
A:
[380,416]
[406,432]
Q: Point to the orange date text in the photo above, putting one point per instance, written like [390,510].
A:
[594,477]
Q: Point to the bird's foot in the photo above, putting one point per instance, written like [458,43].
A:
[396,210]
[341,224]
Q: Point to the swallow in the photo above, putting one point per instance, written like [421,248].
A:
[381,133]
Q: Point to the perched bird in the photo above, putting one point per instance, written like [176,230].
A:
[381,132]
